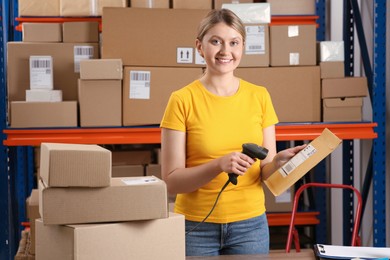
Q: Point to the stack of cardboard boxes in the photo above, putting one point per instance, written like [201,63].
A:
[87,214]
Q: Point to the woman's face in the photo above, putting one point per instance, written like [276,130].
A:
[222,48]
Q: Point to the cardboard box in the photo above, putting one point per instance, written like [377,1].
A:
[88,7]
[332,69]
[176,40]
[127,171]
[290,87]
[256,50]
[153,170]
[191,4]
[293,45]
[39,7]
[75,165]
[281,203]
[149,3]
[32,214]
[135,157]
[146,91]
[301,163]
[66,61]
[43,114]
[149,239]
[292,7]
[100,102]
[101,69]
[87,32]
[218,3]
[251,13]
[342,109]
[42,95]
[42,32]
[127,199]
[344,87]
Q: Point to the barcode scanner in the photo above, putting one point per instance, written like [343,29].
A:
[253,151]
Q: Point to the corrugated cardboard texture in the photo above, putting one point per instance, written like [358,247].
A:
[344,87]
[86,32]
[191,4]
[42,32]
[150,239]
[163,81]
[43,114]
[150,3]
[277,183]
[100,102]
[139,199]
[141,27]
[342,109]
[64,75]
[292,7]
[75,165]
[101,69]
[290,87]
[291,47]
[88,7]
[39,7]
[332,69]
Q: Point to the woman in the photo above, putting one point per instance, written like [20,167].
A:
[203,129]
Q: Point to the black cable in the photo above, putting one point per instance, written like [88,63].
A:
[215,203]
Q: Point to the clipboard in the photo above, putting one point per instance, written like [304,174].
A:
[351,252]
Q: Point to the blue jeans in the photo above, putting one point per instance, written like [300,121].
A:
[243,237]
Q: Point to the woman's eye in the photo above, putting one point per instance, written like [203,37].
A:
[215,42]
[234,43]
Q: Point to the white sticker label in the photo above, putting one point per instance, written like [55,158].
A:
[297,160]
[41,72]
[294,58]
[81,53]
[199,59]
[185,55]
[293,31]
[139,85]
[139,181]
[255,39]
[285,197]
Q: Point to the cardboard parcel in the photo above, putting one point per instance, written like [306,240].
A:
[302,162]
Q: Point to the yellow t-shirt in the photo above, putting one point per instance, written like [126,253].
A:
[216,126]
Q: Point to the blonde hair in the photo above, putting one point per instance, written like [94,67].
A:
[220,16]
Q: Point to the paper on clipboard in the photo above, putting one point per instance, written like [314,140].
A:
[349,252]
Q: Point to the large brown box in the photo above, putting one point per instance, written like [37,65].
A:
[88,7]
[302,162]
[142,107]
[191,4]
[75,165]
[293,7]
[100,102]
[127,199]
[66,61]
[344,87]
[281,203]
[39,7]
[32,214]
[290,87]
[87,32]
[293,45]
[332,69]
[149,239]
[149,3]
[122,25]
[342,109]
[43,114]
[42,32]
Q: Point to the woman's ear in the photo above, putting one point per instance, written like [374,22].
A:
[199,47]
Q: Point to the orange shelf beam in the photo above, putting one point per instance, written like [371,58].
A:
[152,135]
[22,20]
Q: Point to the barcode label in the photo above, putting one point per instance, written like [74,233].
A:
[139,181]
[82,53]
[41,72]
[297,160]
[255,39]
[139,85]
[46,64]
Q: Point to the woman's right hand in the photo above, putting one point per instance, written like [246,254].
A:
[235,162]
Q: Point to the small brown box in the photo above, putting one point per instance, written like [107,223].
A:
[87,32]
[344,87]
[332,69]
[149,3]
[191,4]
[39,7]
[342,109]
[42,32]
[101,69]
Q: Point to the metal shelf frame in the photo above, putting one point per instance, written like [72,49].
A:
[16,146]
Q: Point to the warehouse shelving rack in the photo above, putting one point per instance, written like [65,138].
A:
[16,148]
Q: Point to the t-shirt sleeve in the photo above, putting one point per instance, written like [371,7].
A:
[270,117]
[174,115]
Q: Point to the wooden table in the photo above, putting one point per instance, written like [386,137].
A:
[305,254]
